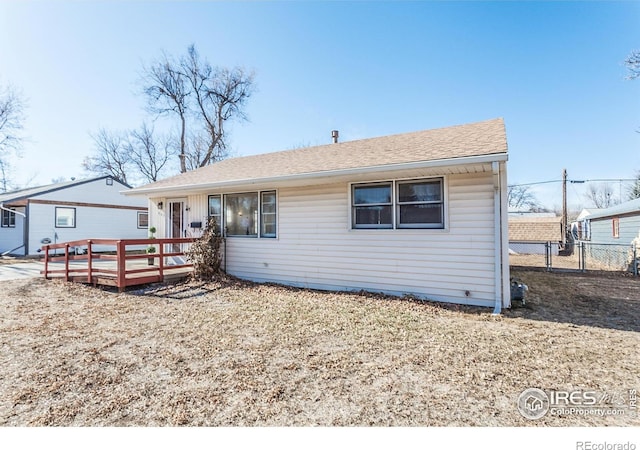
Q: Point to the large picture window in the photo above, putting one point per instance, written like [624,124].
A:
[65,217]
[241,214]
[400,204]
[8,219]
[372,207]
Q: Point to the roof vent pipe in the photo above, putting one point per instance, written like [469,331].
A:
[334,136]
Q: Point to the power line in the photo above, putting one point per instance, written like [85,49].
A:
[598,180]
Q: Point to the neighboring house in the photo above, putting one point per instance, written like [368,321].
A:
[580,227]
[529,234]
[421,213]
[613,231]
[61,212]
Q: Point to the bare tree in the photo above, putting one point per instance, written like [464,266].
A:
[148,153]
[112,156]
[203,97]
[11,125]
[633,64]
[601,195]
[167,91]
[521,197]
[219,94]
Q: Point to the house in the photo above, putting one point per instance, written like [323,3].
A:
[580,226]
[613,231]
[529,233]
[72,210]
[420,213]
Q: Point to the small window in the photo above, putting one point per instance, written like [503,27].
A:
[215,208]
[371,206]
[615,222]
[65,217]
[420,204]
[268,220]
[8,219]
[143,219]
[241,214]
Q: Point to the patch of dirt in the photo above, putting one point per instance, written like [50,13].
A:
[242,354]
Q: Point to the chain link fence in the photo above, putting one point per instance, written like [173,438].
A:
[579,256]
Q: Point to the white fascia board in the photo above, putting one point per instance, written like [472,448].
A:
[484,159]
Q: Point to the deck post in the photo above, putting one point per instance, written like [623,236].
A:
[89,263]
[66,262]
[46,261]
[161,262]
[122,266]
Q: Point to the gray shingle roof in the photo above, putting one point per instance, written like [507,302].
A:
[461,141]
[630,207]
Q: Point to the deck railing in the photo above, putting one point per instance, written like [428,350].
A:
[83,263]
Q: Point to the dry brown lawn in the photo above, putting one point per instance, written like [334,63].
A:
[240,354]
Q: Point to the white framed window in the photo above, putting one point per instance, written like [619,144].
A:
[143,219]
[268,216]
[215,209]
[372,205]
[241,214]
[398,204]
[65,217]
[420,203]
[8,219]
[615,227]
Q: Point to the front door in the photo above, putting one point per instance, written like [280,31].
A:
[176,225]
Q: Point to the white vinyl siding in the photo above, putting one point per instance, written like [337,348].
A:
[91,222]
[317,247]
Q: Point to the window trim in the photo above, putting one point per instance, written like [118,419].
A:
[56,217]
[444,226]
[615,227]
[354,205]
[10,215]
[262,214]
[220,215]
[259,193]
[434,226]
[140,213]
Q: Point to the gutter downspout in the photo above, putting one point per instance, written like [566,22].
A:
[497,238]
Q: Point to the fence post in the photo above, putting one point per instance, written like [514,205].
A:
[46,261]
[635,261]
[161,261]
[122,266]
[89,263]
[583,256]
[66,262]
[547,248]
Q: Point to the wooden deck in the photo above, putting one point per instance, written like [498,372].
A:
[120,262]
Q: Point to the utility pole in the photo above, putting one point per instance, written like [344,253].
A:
[564,208]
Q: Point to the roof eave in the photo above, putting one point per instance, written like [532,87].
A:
[449,162]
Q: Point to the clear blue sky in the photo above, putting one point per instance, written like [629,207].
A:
[553,70]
